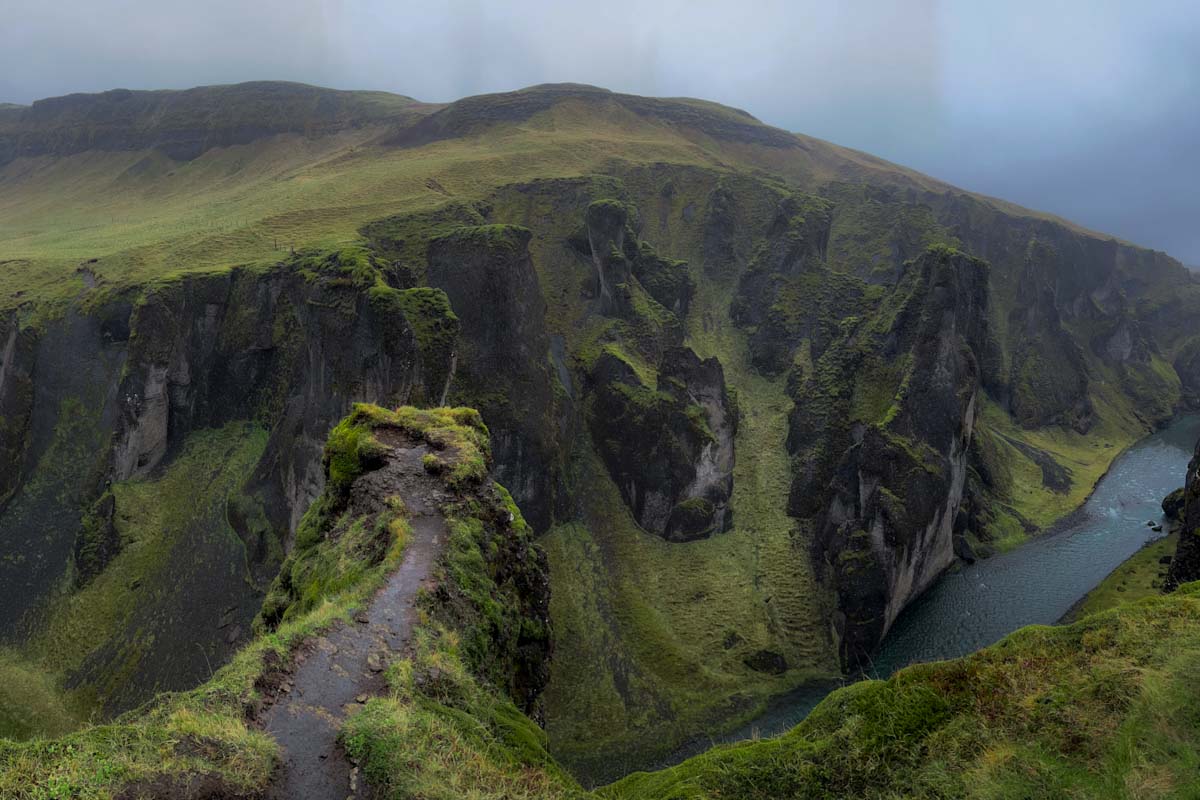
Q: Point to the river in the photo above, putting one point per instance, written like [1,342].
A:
[1037,583]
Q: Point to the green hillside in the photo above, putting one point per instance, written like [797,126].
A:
[752,390]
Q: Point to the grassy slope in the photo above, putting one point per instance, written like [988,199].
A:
[1104,708]
[151,520]
[235,205]
[1138,577]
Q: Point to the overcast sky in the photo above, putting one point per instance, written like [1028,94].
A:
[1086,108]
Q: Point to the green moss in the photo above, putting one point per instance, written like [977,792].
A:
[1102,708]
[405,238]
[443,735]
[31,703]
[153,518]
[1140,576]
[509,238]
[348,453]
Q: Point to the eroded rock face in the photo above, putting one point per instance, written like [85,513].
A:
[1185,566]
[669,450]
[504,366]
[617,256]
[1187,365]
[112,391]
[606,232]
[271,347]
[788,295]
[886,482]
[16,401]
[1049,377]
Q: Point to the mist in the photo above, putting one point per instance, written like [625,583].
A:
[1090,110]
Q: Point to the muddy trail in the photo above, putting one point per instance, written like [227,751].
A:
[334,673]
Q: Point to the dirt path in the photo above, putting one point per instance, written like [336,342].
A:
[335,672]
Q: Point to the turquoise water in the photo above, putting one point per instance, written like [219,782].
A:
[1037,583]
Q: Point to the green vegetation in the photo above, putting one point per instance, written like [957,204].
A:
[653,637]
[448,727]
[155,524]
[201,731]
[30,702]
[1140,576]
[441,735]
[335,552]
[208,731]
[1104,708]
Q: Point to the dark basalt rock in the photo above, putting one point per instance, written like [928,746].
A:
[98,541]
[17,358]
[1187,365]
[1049,376]
[612,248]
[1185,566]
[788,295]
[609,239]
[503,363]
[119,386]
[887,484]
[1172,504]
[670,450]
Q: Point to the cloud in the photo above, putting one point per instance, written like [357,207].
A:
[1087,109]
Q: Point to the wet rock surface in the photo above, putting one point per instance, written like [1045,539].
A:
[670,450]
[336,672]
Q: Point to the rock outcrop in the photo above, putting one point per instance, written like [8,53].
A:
[1185,564]
[787,295]
[670,450]
[881,433]
[617,256]
[1049,377]
[503,361]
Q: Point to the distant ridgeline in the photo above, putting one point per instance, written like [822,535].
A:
[753,391]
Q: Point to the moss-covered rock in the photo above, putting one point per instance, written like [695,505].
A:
[503,357]
[881,433]
[669,449]
[1185,564]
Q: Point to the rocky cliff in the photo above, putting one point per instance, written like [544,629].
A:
[1183,508]
[504,357]
[882,432]
[111,393]
[754,390]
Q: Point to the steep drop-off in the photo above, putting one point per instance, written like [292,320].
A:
[452,632]
[111,400]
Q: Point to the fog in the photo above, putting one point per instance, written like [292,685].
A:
[1090,110]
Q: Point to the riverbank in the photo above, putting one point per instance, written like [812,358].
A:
[1138,577]
[1036,583]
